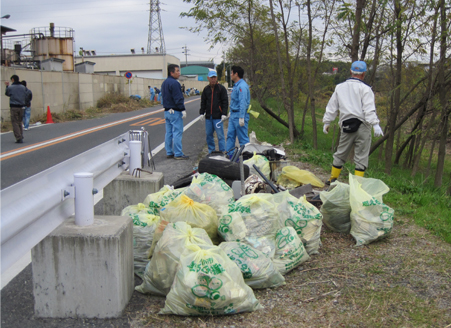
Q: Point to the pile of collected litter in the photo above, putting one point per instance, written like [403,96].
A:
[206,246]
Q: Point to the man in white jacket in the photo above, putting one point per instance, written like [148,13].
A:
[354,99]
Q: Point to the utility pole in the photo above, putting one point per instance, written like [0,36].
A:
[185,51]
[223,66]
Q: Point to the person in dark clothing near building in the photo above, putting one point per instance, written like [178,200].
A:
[174,113]
[17,94]
[213,109]
[27,113]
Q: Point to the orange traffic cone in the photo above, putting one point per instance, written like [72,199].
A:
[49,116]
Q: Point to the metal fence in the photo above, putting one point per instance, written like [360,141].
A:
[33,208]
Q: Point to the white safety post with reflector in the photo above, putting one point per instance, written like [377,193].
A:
[135,155]
[84,198]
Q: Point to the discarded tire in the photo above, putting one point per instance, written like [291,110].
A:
[223,169]
[183,182]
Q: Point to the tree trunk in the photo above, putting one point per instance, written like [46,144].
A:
[443,97]
[309,74]
[397,91]
[428,168]
[360,4]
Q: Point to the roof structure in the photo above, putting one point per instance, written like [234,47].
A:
[200,71]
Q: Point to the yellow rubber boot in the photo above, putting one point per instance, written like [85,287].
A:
[359,173]
[334,174]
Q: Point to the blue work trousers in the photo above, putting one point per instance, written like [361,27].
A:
[211,126]
[26,117]
[174,132]
[235,130]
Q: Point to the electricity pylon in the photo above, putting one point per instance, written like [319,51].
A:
[155,40]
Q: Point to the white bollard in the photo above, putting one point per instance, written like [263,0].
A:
[135,155]
[84,198]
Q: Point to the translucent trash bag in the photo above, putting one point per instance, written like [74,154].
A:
[162,267]
[208,283]
[258,270]
[336,208]
[371,219]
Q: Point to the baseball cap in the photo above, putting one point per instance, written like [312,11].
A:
[358,66]
[212,73]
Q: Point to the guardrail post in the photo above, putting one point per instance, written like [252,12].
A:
[135,155]
[84,199]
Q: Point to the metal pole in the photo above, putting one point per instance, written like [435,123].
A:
[129,93]
[135,155]
[243,189]
[84,199]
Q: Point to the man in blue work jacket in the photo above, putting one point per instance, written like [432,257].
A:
[239,117]
[174,113]
[151,93]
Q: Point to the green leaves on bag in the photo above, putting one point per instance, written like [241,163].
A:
[207,287]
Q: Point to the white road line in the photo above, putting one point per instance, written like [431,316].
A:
[69,136]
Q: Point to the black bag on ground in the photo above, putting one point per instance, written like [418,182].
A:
[351,125]
[223,169]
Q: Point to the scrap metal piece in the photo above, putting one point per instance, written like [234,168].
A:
[253,185]
[273,187]
[137,172]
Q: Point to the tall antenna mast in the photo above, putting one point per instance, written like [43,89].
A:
[155,40]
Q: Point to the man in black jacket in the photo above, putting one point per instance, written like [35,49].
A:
[17,94]
[213,109]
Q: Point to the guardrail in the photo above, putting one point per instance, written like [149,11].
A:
[33,208]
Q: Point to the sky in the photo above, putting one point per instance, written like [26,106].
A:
[111,26]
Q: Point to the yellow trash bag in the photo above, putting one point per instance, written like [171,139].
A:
[371,219]
[232,227]
[336,208]
[161,269]
[144,226]
[195,214]
[292,177]
[161,198]
[138,208]
[208,283]
[290,251]
[261,218]
[261,162]
[304,217]
[258,270]
[211,190]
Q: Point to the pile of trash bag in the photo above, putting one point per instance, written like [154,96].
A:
[205,251]
[358,209]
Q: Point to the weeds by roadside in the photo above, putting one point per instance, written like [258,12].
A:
[429,207]
[110,103]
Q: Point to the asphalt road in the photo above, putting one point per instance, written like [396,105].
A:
[50,144]
[19,161]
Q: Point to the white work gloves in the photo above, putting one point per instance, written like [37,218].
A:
[241,121]
[326,128]
[171,111]
[223,118]
[202,117]
[184,114]
[377,131]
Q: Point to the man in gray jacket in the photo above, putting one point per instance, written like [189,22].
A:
[17,94]
[354,100]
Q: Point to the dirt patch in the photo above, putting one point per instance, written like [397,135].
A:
[403,280]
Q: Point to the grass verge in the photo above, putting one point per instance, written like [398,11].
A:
[428,206]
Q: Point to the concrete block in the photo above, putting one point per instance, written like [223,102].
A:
[85,271]
[128,190]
